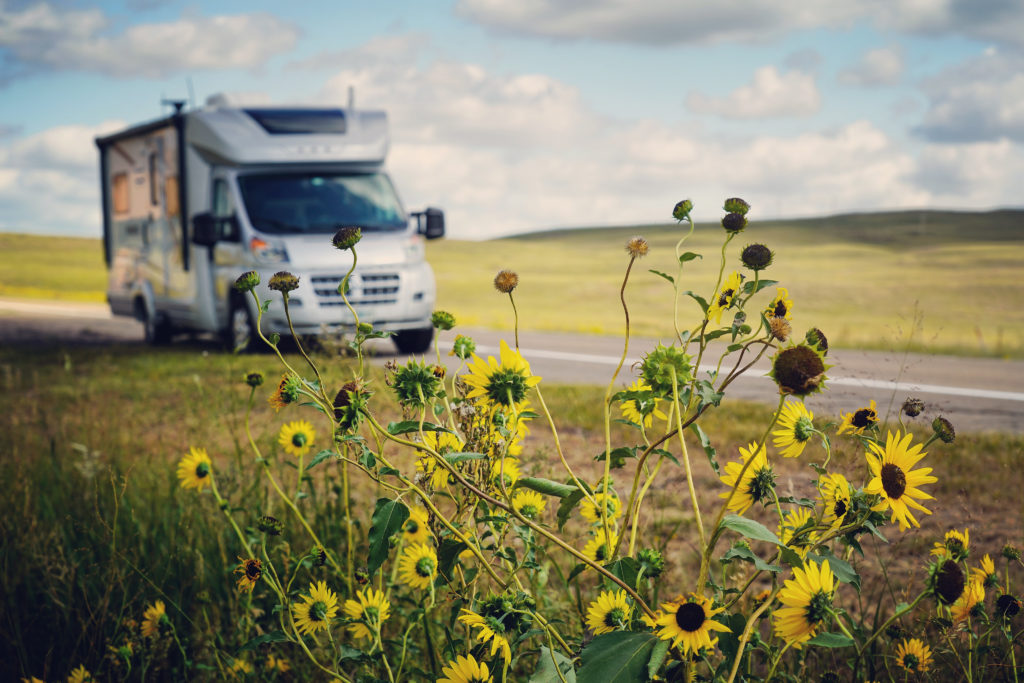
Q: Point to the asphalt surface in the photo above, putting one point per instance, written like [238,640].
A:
[975,394]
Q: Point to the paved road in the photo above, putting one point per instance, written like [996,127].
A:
[975,394]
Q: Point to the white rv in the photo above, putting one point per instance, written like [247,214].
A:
[192,201]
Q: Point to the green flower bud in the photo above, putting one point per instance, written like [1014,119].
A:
[347,237]
[943,428]
[247,281]
[681,211]
[442,320]
[254,379]
[736,205]
[283,282]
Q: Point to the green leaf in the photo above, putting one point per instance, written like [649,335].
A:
[546,486]
[619,456]
[319,458]
[699,299]
[689,256]
[705,443]
[546,673]
[748,287]
[750,529]
[456,458]
[272,637]
[661,274]
[625,568]
[569,504]
[408,426]
[388,518]
[744,553]
[619,657]
[707,393]
[843,570]
[446,556]
[715,334]
[658,654]
[831,640]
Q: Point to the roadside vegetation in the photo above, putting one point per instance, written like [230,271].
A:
[193,514]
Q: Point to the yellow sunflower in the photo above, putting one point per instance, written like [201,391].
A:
[508,468]
[491,630]
[416,529]
[781,306]
[807,602]
[417,567]
[529,504]
[504,383]
[914,656]
[251,570]
[859,421]
[895,480]
[725,297]
[195,470]
[367,613]
[315,611]
[442,443]
[277,664]
[688,622]
[80,675]
[297,438]
[985,574]
[465,670]
[609,612]
[756,484]
[797,520]
[240,668]
[963,608]
[592,512]
[152,617]
[598,549]
[642,411]
[955,545]
[835,492]
[796,428]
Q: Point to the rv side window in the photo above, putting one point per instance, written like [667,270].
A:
[119,191]
[224,211]
[154,196]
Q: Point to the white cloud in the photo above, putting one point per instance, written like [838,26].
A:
[770,94]
[881,66]
[981,100]
[982,174]
[41,36]
[697,21]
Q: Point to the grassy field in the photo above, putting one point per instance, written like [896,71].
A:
[948,282]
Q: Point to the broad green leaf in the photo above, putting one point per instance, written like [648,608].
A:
[689,256]
[546,673]
[658,654]
[456,458]
[705,443]
[699,299]
[619,657]
[319,458]
[388,518]
[546,486]
[748,287]
[750,529]
[272,637]
[831,640]
[664,275]
[625,568]
[567,505]
[619,456]
[843,570]
[446,556]
[745,553]
[408,426]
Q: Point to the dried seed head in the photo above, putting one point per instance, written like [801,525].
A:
[913,407]
[681,211]
[347,237]
[798,370]
[283,282]
[1007,606]
[780,328]
[505,281]
[943,428]
[247,281]
[637,247]
[756,257]
[736,205]
[734,222]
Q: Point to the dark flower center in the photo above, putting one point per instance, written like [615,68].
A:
[615,618]
[601,553]
[865,417]
[298,439]
[798,370]
[202,470]
[723,300]
[894,481]
[528,511]
[949,582]
[780,309]
[318,611]
[690,616]
[910,661]
[425,567]
[818,607]
[507,387]
[839,508]
[252,570]
[411,527]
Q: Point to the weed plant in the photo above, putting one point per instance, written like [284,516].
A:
[357,541]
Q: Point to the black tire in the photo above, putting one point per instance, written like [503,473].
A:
[414,341]
[157,331]
[240,333]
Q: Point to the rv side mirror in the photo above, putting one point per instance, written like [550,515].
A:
[204,229]
[435,223]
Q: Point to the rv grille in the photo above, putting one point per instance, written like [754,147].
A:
[364,289]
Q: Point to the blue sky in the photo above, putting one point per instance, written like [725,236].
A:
[527,115]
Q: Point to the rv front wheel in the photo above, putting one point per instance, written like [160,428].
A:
[414,341]
[240,332]
[155,327]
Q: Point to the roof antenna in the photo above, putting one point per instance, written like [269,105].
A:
[351,98]
[177,104]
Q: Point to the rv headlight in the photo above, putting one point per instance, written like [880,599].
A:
[414,249]
[268,251]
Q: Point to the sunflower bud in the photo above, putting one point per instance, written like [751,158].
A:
[347,237]
[1007,606]
[463,347]
[756,257]
[415,384]
[1011,552]
[913,407]
[681,211]
[271,526]
[816,337]
[247,281]
[943,428]
[505,281]
[652,562]
[442,320]
[254,379]
[319,556]
[658,366]
[736,205]
[364,329]
[734,222]
[799,370]
[637,247]
[350,404]
[283,282]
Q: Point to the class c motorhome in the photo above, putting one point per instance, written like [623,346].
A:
[193,200]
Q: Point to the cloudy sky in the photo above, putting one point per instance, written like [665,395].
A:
[518,115]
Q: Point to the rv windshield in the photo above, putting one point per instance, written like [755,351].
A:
[295,203]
